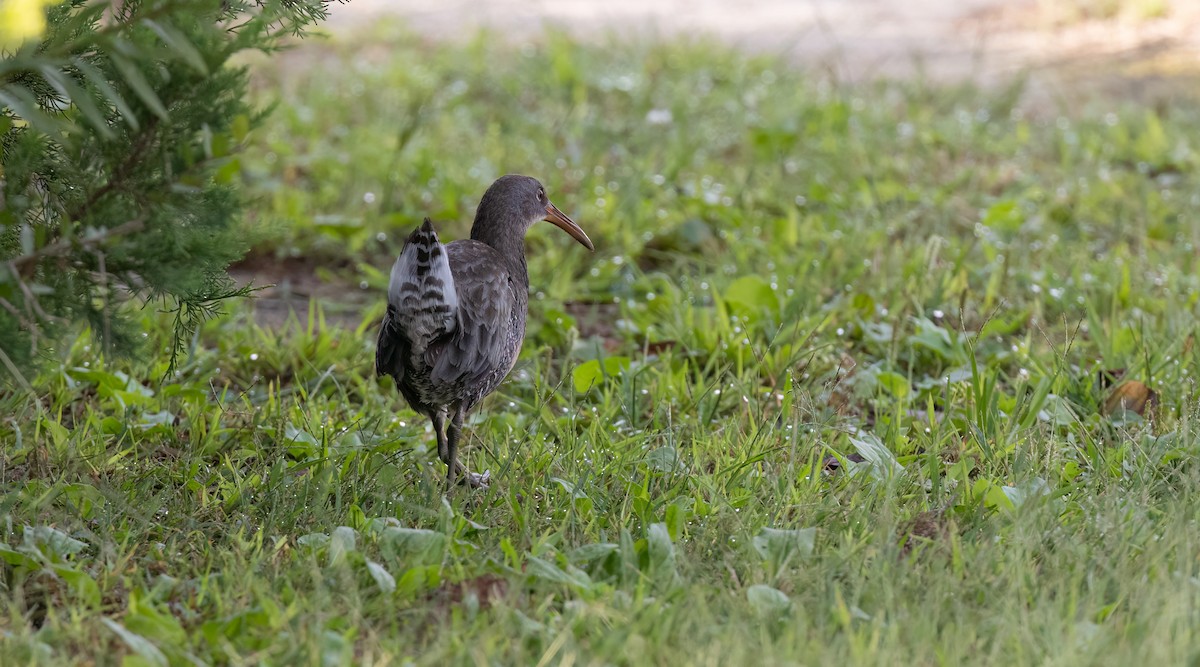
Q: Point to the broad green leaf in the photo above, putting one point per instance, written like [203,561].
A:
[778,545]
[881,459]
[587,375]
[660,552]
[313,540]
[59,435]
[301,444]
[151,420]
[591,373]
[664,459]
[341,543]
[51,542]
[752,296]
[895,383]
[80,582]
[1004,216]
[418,578]
[17,558]
[158,626]
[540,569]
[138,644]
[1034,488]
[85,498]
[569,487]
[383,579]
[1057,411]
[676,516]
[864,303]
[768,602]
[936,339]
[591,552]
[413,545]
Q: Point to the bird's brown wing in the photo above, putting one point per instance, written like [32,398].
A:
[483,343]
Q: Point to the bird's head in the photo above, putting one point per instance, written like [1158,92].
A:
[521,201]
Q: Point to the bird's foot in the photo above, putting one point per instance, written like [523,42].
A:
[464,477]
[476,480]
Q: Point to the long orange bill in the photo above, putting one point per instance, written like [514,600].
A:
[560,220]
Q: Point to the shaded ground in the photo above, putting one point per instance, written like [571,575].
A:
[288,285]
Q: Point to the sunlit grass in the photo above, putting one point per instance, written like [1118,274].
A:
[837,387]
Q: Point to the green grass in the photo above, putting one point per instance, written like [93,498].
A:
[836,387]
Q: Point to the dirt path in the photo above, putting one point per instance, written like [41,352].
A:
[985,40]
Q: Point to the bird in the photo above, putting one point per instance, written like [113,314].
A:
[456,312]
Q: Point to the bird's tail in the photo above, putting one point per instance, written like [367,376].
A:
[421,291]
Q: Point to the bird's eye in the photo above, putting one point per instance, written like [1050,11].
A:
[541,194]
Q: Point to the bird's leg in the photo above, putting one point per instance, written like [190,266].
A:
[452,435]
[439,427]
[453,468]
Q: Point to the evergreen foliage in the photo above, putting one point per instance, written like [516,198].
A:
[119,132]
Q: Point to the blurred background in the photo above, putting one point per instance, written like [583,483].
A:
[410,108]
[858,39]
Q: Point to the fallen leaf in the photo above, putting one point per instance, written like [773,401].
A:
[1131,396]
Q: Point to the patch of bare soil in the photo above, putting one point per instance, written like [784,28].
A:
[289,286]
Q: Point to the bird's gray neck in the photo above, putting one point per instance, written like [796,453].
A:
[507,240]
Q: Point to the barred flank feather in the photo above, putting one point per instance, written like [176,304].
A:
[422,292]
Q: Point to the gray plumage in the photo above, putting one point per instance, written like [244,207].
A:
[456,312]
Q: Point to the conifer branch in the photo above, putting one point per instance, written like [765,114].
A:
[64,245]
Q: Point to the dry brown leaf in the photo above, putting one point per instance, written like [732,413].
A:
[1131,396]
